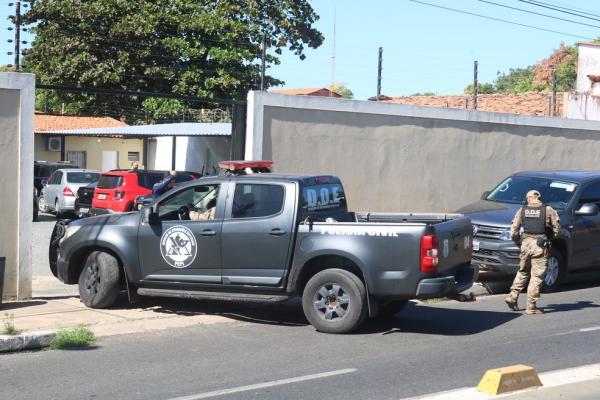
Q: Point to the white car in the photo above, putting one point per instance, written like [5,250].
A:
[60,192]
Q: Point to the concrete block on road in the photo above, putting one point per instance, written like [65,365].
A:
[509,379]
[26,341]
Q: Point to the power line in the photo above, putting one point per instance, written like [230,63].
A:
[544,5]
[499,19]
[535,13]
[568,7]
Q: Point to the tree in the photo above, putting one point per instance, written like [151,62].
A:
[482,88]
[564,59]
[342,90]
[517,80]
[206,48]
[423,94]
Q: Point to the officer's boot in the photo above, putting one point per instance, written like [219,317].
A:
[511,300]
[532,309]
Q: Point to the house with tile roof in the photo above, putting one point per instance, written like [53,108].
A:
[529,103]
[95,152]
[323,92]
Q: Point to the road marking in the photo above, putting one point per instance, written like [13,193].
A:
[593,328]
[265,384]
[549,379]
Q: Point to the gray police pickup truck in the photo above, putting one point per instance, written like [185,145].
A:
[575,195]
[273,237]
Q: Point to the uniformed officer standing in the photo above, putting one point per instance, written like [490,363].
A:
[539,224]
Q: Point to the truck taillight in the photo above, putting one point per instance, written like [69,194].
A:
[119,194]
[429,253]
[68,192]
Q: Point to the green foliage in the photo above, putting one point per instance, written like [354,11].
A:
[6,68]
[9,325]
[423,94]
[482,88]
[517,80]
[342,90]
[80,336]
[566,71]
[202,48]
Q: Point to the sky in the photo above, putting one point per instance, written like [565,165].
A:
[425,49]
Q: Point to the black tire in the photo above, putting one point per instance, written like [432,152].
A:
[42,206]
[35,213]
[99,281]
[344,289]
[555,273]
[390,308]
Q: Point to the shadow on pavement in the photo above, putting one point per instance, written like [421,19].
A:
[580,305]
[439,321]
[20,304]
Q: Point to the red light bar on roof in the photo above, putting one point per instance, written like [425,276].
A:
[238,165]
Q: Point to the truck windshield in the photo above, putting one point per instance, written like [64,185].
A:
[556,194]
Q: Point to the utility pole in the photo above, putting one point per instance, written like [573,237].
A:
[475,85]
[553,102]
[379,68]
[17,40]
[264,62]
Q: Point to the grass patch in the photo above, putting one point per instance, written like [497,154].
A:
[80,336]
[9,325]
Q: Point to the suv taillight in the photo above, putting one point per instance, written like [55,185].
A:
[68,192]
[119,194]
[429,253]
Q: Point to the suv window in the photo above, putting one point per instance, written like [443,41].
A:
[149,179]
[82,177]
[591,194]
[257,200]
[110,181]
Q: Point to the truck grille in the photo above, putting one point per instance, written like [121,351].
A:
[487,232]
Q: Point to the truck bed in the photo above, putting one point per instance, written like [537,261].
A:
[423,218]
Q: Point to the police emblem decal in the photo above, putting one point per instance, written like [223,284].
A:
[178,246]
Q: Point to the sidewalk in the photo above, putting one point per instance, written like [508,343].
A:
[586,390]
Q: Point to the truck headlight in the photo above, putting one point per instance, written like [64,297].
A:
[70,231]
[505,235]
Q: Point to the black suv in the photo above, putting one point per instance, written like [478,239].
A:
[43,169]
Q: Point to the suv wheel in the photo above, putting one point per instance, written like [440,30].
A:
[335,301]
[42,205]
[555,272]
[99,282]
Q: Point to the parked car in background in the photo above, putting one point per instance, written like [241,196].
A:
[58,195]
[83,200]
[118,189]
[42,170]
[575,195]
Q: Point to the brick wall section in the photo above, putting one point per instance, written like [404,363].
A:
[49,122]
[532,103]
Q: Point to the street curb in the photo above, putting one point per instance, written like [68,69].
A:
[26,341]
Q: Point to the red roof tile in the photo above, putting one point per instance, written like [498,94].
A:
[531,103]
[50,122]
[324,92]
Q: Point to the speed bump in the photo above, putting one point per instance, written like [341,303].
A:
[508,379]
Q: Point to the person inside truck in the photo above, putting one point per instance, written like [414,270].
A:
[207,215]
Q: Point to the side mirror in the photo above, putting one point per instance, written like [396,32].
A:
[587,209]
[485,195]
[149,215]
[44,182]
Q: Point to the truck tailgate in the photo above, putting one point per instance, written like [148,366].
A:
[455,243]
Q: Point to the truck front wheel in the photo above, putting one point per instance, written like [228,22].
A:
[335,301]
[99,282]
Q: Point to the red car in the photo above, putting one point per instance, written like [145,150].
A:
[118,189]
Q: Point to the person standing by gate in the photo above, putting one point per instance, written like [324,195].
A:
[539,224]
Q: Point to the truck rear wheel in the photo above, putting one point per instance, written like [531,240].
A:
[99,282]
[335,301]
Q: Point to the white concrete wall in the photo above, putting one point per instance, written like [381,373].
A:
[408,158]
[583,106]
[17,99]
[588,63]
[193,153]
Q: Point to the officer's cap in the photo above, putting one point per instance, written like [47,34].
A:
[534,193]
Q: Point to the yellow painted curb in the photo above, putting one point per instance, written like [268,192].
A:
[508,379]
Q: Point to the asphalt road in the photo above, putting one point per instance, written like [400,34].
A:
[426,348]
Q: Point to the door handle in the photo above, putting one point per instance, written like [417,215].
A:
[277,232]
[208,232]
